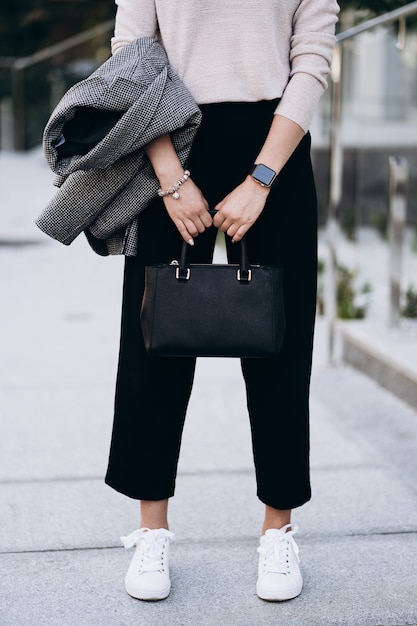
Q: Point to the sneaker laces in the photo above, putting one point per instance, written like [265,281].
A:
[274,548]
[152,543]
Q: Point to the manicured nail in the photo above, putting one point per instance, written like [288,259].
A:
[191,242]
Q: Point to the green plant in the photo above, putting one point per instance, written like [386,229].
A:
[349,223]
[380,222]
[366,288]
[347,309]
[410,305]
[320,286]
[414,241]
[346,294]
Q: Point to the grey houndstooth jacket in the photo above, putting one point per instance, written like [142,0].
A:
[103,191]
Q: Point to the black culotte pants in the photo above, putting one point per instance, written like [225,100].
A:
[152,393]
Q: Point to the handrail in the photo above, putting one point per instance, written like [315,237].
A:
[77,40]
[386,18]
[15,109]
[336,157]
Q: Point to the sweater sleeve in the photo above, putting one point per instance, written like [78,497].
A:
[134,20]
[312,42]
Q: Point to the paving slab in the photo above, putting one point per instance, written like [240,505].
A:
[364,411]
[59,431]
[348,582]
[60,315]
[54,515]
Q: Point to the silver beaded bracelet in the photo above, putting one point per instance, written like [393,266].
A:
[173,191]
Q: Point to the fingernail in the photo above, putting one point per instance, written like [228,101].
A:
[191,242]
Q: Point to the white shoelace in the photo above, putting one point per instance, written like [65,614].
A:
[152,543]
[275,549]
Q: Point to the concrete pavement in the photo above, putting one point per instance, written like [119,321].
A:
[60,555]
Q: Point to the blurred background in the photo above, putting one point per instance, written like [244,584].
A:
[59,333]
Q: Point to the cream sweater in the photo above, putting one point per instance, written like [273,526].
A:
[240,50]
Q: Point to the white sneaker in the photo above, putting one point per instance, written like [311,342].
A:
[148,575]
[279,576]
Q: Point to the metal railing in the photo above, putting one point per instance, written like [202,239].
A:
[336,151]
[31,86]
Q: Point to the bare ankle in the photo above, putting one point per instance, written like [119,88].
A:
[275,518]
[154,514]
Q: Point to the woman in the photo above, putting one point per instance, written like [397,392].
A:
[257,71]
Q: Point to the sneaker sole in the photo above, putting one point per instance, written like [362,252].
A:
[148,594]
[273,596]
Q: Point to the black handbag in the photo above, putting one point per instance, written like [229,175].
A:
[213,310]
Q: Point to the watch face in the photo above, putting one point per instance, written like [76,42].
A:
[264,174]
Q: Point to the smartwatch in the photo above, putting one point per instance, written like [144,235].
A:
[263,174]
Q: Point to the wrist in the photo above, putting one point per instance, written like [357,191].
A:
[260,189]
[168,175]
[172,190]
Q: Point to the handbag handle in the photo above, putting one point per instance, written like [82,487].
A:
[244,273]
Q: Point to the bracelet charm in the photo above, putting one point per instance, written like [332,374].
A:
[173,191]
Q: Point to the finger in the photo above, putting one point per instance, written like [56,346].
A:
[226,225]
[241,231]
[184,232]
[201,227]
[218,220]
[206,219]
[191,227]
[232,230]
[203,219]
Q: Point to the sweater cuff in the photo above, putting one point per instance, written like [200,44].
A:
[300,99]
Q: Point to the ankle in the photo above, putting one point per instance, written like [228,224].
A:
[153,526]
[275,518]
[154,514]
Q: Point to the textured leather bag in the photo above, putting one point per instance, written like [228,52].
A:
[213,310]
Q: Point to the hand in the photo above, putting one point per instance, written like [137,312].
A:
[189,212]
[240,209]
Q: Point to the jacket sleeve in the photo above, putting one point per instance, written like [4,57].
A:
[134,19]
[312,42]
